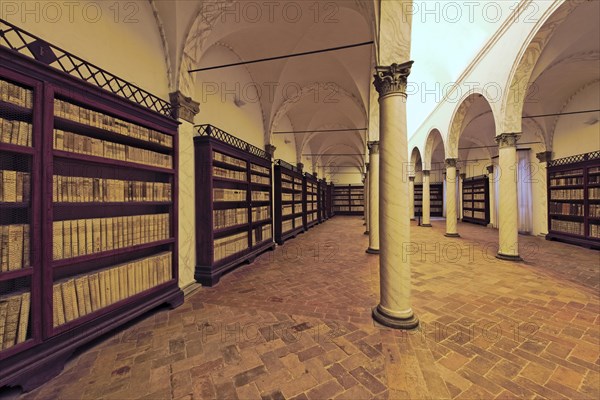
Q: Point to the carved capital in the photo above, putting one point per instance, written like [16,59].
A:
[373,147]
[300,166]
[490,169]
[425,172]
[451,162]
[544,156]
[185,108]
[392,79]
[411,178]
[270,149]
[505,140]
[463,176]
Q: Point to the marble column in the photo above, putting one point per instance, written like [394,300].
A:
[460,195]
[508,246]
[542,203]
[367,204]
[186,109]
[411,197]
[451,228]
[492,200]
[394,309]
[373,198]
[426,201]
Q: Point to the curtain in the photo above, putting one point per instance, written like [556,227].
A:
[524,192]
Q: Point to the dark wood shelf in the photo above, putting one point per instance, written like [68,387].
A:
[14,111]
[99,133]
[232,181]
[231,167]
[18,273]
[112,204]
[14,148]
[11,205]
[567,201]
[230,230]
[110,253]
[109,161]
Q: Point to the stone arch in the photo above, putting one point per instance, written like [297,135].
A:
[519,83]
[429,147]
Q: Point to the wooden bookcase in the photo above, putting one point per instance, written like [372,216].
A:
[476,200]
[289,204]
[88,237]
[329,202]
[348,200]
[233,203]
[323,215]
[436,199]
[310,201]
[574,200]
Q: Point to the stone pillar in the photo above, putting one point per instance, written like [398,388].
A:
[490,171]
[426,202]
[185,111]
[394,309]
[451,230]
[460,194]
[373,198]
[367,185]
[508,224]
[542,203]
[411,197]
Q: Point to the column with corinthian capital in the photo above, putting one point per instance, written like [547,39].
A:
[508,223]
[373,198]
[394,309]
[451,230]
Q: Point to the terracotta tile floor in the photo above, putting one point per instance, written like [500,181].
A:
[296,324]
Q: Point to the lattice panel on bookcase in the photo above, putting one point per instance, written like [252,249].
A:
[219,134]
[32,46]
[575,159]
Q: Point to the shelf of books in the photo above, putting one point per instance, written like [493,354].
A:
[574,199]
[436,199]
[88,238]
[329,200]
[476,200]
[322,198]
[288,201]
[311,201]
[348,200]
[233,203]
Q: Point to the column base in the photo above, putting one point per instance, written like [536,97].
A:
[508,257]
[413,219]
[451,235]
[366,232]
[393,322]
[372,251]
[427,225]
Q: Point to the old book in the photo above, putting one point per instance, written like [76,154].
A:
[94,283]
[24,317]
[19,187]
[59,139]
[87,295]
[9,184]
[69,300]
[26,247]
[110,233]
[67,240]
[104,281]
[89,236]
[114,285]
[12,320]
[4,247]
[97,235]
[74,239]
[15,247]
[131,289]
[81,235]
[58,310]
[123,293]
[80,283]
[55,188]
[24,134]
[3,312]
[57,240]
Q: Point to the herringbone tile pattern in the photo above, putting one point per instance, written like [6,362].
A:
[296,325]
